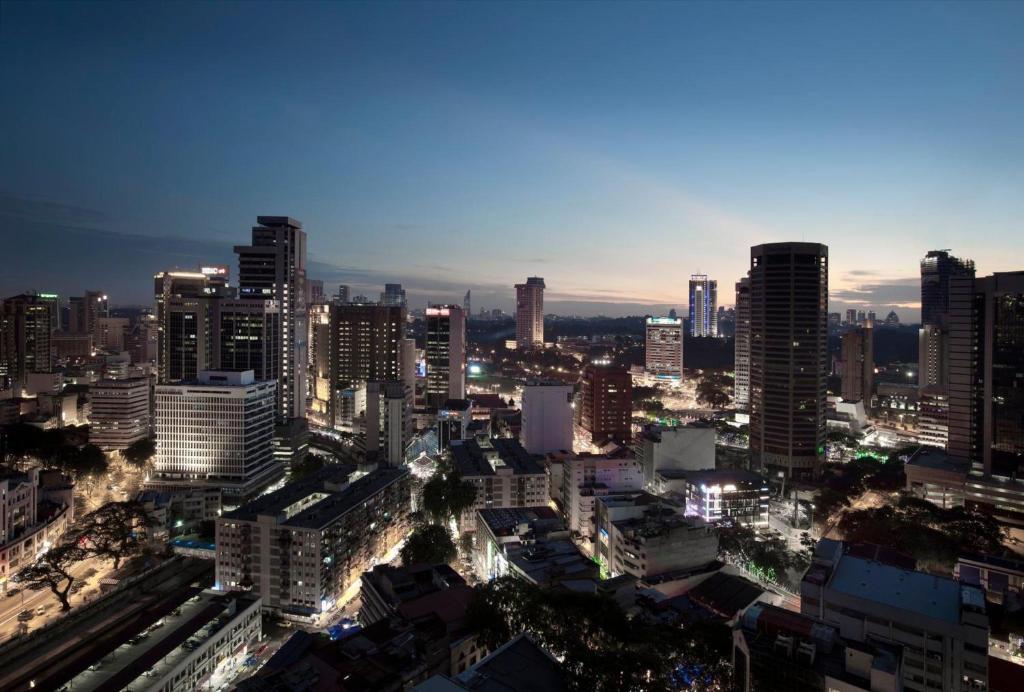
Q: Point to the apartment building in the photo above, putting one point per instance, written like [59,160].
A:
[504,473]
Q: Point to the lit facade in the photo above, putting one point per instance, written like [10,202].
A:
[741,395]
[120,413]
[446,354]
[703,306]
[606,400]
[663,354]
[530,313]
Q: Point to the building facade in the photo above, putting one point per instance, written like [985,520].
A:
[606,399]
[546,417]
[504,473]
[663,348]
[446,354]
[788,357]
[937,268]
[121,412]
[741,394]
[530,313]
[703,306]
[858,354]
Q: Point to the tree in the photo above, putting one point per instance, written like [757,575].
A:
[80,462]
[53,570]
[712,389]
[429,543]
[140,451]
[112,530]
[307,465]
[446,495]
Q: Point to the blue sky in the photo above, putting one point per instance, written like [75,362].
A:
[612,148]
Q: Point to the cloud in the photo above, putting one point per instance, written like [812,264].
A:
[903,292]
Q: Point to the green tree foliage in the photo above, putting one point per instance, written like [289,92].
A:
[446,495]
[928,532]
[111,531]
[53,571]
[713,389]
[140,451]
[599,646]
[428,543]
[743,545]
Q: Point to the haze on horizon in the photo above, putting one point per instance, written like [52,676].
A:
[612,149]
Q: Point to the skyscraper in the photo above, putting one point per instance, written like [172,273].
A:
[84,311]
[607,403]
[664,348]
[246,336]
[25,339]
[343,293]
[742,345]
[184,308]
[467,305]
[858,365]
[364,343]
[937,267]
[932,356]
[446,354]
[274,267]
[393,294]
[530,313]
[788,356]
[703,306]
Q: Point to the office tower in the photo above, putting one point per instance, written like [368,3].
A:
[393,295]
[301,547]
[937,626]
[388,422]
[273,267]
[343,293]
[407,365]
[703,306]
[364,344]
[861,317]
[84,311]
[931,356]
[446,354]
[546,417]
[217,432]
[937,268]
[143,339]
[120,413]
[986,398]
[314,292]
[318,405]
[530,313]
[184,308]
[664,348]
[246,336]
[871,318]
[467,305]
[851,317]
[55,308]
[933,416]
[858,365]
[788,357]
[606,398]
[741,345]
[109,333]
[25,339]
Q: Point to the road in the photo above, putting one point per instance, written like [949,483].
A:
[26,599]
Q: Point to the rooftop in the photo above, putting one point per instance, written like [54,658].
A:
[937,459]
[505,521]
[472,458]
[724,476]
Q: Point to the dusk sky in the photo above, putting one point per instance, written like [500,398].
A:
[612,149]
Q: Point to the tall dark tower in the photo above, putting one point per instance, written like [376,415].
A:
[788,357]
[937,267]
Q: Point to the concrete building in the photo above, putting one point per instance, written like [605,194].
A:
[446,354]
[217,431]
[932,365]
[302,546]
[273,267]
[727,494]
[393,294]
[546,417]
[585,478]
[36,509]
[85,310]
[703,306]
[110,333]
[121,412]
[858,354]
[530,313]
[186,337]
[941,626]
[246,336]
[320,393]
[386,588]
[687,447]
[741,394]
[25,332]
[504,473]
[499,529]
[933,417]
[606,399]
[646,536]
[388,422]
[663,349]
[788,357]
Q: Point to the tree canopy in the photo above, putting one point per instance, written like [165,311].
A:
[140,451]
[53,570]
[429,543]
[446,495]
[112,531]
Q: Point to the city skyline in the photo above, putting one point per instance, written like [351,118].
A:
[614,174]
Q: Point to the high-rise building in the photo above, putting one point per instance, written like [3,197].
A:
[742,345]
[664,348]
[446,354]
[871,318]
[703,306]
[467,305]
[109,334]
[891,320]
[788,357]
[143,339]
[388,422]
[606,400]
[835,320]
[25,339]
[246,336]
[393,294]
[931,356]
[851,317]
[318,405]
[937,268]
[273,267]
[85,310]
[217,431]
[184,307]
[364,344]
[530,313]
[344,292]
[314,292]
[858,365]
[546,417]
[933,416]
[120,413]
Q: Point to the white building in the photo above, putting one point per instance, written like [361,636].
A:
[36,508]
[586,478]
[664,348]
[120,412]
[216,432]
[689,447]
[504,473]
[546,417]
